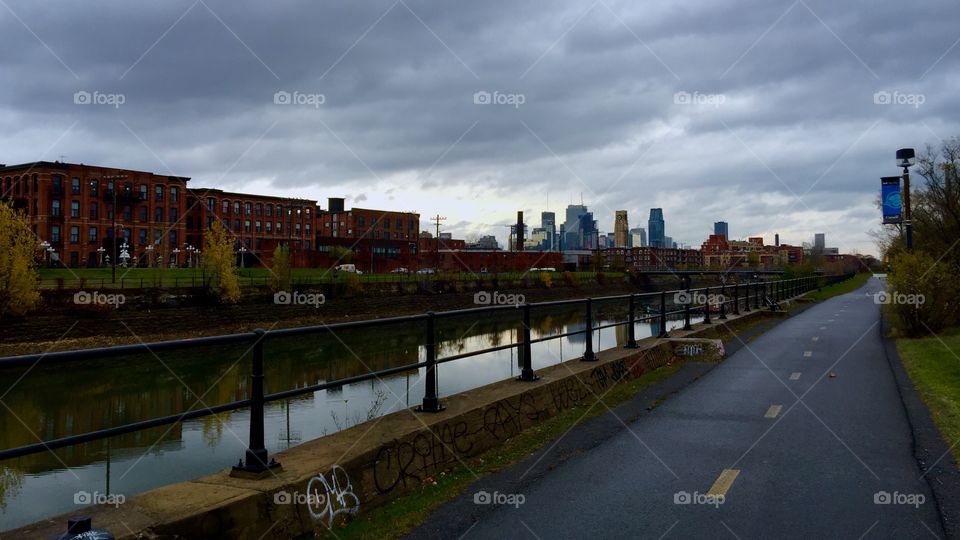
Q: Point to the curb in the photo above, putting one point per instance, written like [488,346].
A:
[930,450]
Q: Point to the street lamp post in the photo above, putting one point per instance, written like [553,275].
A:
[242,251]
[124,255]
[906,158]
[113,228]
[175,262]
[100,252]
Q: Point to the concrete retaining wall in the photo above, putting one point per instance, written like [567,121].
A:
[328,479]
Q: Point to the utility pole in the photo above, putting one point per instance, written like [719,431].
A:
[437,219]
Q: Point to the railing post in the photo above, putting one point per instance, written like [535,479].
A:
[686,311]
[663,314]
[756,295]
[430,401]
[736,298]
[256,464]
[631,333]
[706,307]
[588,355]
[723,303]
[526,372]
[746,303]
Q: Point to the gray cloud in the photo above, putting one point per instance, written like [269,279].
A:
[398,124]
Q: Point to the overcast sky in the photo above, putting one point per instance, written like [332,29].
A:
[774,116]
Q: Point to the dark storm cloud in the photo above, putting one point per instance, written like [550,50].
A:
[599,82]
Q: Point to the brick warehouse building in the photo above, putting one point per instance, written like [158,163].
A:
[648,257]
[379,240]
[72,207]
[258,223]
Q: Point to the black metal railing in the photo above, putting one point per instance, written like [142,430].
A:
[685,301]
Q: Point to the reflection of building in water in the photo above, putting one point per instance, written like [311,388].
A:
[578,327]
[623,334]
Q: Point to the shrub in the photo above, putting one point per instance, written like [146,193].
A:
[919,275]
[571,279]
[546,280]
[351,283]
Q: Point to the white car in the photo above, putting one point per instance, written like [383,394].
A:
[400,270]
[427,271]
[352,268]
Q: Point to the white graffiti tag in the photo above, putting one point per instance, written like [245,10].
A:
[330,498]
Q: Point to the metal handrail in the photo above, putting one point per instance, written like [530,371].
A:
[256,454]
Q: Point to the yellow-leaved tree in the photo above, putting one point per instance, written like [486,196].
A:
[19,287]
[218,259]
[280,269]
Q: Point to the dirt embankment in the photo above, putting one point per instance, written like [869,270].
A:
[64,326]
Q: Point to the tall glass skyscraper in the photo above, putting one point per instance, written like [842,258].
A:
[656,227]
[721,228]
[580,230]
[548,222]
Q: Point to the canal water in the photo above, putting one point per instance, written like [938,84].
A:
[54,402]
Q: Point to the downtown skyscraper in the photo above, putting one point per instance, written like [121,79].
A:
[656,228]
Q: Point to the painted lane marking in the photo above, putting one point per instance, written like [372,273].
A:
[724,481]
[773,411]
[795,376]
[807,354]
[823,327]
[816,338]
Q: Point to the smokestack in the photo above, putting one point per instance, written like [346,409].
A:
[520,238]
[776,239]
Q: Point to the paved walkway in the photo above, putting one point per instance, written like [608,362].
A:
[799,434]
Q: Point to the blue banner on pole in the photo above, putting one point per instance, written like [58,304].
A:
[890,199]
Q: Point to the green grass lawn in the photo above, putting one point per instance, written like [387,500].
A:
[934,367]
[843,287]
[404,513]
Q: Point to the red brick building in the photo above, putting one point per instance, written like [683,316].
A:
[644,258]
[377,240]
[72,207]
[336,222]
[258,223]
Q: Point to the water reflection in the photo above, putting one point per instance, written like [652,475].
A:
[54,402]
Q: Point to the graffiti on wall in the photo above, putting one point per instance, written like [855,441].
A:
[329,497]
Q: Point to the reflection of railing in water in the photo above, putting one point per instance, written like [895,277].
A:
[440,337]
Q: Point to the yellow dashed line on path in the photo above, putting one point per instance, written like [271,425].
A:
[724,481]
[773,411]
